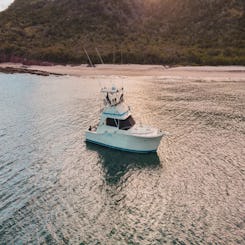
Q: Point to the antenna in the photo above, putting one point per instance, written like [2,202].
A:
[98,53]
[90,61]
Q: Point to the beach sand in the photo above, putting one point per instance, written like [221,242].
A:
[223,73]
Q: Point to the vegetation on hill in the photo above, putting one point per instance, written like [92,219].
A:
[125,31]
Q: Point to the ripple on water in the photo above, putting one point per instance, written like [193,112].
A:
[56,189]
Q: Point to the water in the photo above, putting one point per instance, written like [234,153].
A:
[56,189]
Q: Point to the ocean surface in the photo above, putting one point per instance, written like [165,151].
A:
[56,189]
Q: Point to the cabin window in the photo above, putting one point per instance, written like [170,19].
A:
[112,122]
[127,123]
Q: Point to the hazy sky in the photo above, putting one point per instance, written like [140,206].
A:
[4,4]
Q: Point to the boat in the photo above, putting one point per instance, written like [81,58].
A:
[117,128]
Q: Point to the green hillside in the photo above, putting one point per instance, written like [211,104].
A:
[125,31]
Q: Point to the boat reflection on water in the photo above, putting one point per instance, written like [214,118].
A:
[117,163]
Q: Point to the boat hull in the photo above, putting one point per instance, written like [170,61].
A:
[123,142]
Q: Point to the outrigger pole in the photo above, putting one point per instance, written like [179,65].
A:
[90,61]
[98,53]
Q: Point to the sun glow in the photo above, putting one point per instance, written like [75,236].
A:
[4,4]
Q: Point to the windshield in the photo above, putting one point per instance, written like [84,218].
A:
[122,124]
[127,123]
[112,122]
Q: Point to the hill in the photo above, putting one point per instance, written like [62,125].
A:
[125,31]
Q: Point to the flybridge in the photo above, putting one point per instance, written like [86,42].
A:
[113,96]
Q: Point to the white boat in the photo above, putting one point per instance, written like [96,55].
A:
[117,129]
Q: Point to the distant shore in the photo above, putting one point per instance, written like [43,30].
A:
[13,70]
[195,72]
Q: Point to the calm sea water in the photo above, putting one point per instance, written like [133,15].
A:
[56,189]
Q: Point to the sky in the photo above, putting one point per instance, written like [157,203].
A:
[4,4]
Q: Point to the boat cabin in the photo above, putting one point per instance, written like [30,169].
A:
[116,114]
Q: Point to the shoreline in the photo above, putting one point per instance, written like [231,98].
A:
[190,72]
[14,70]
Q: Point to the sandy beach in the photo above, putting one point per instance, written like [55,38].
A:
[186,72]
